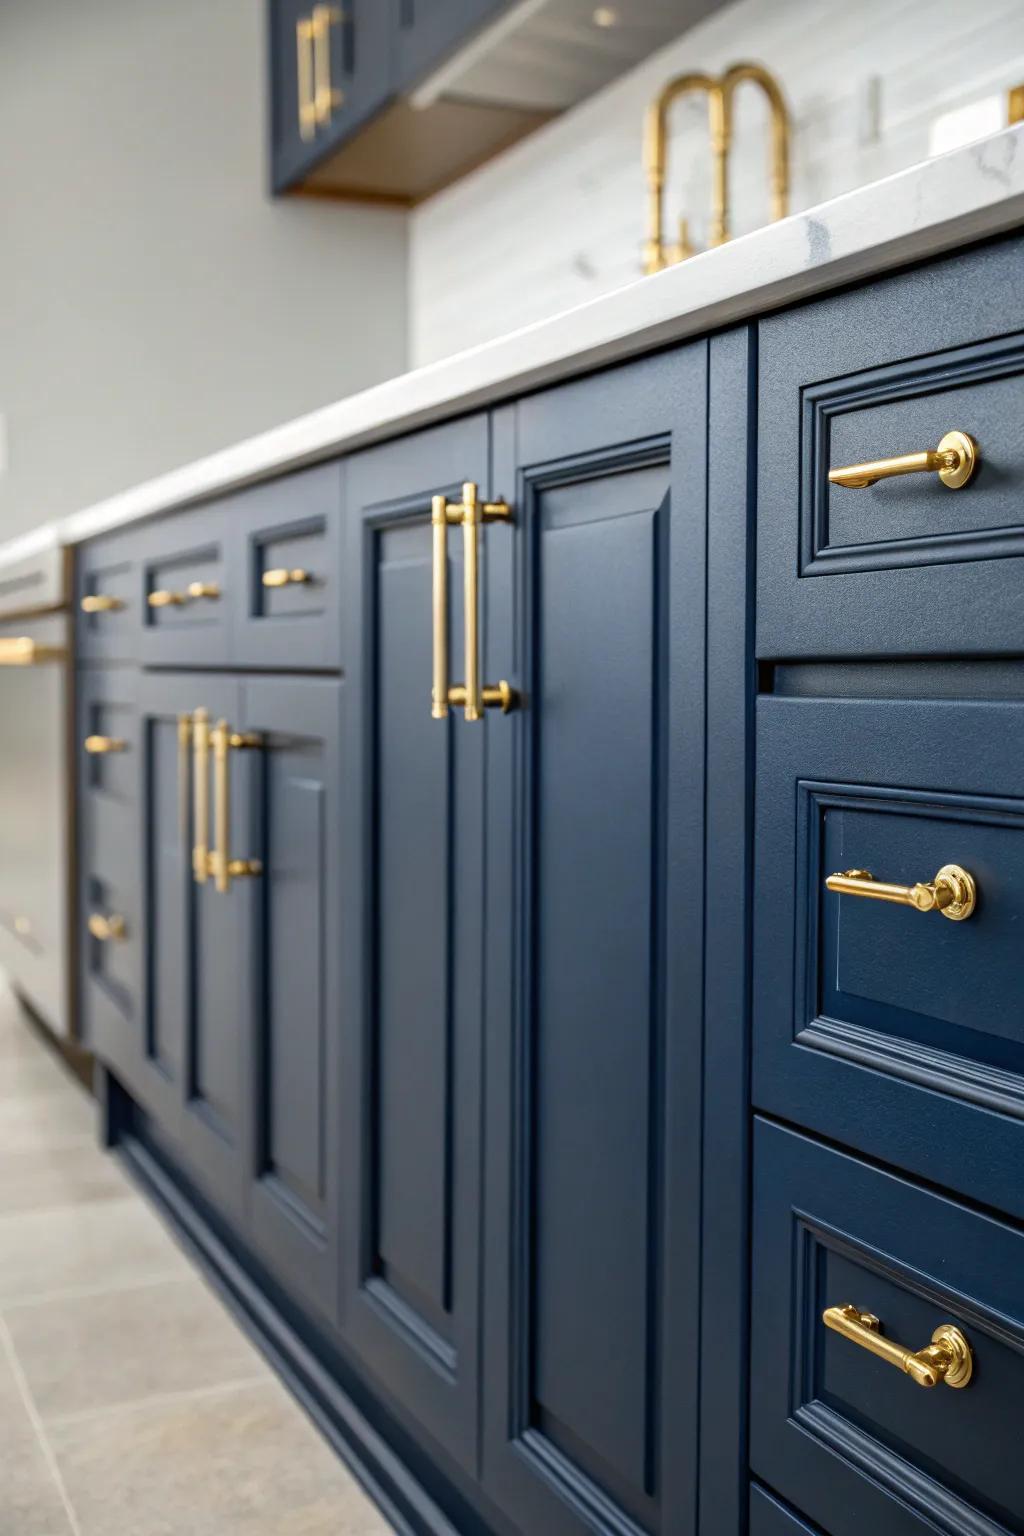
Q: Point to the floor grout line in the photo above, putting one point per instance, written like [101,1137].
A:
[160,1400]
[28,1401]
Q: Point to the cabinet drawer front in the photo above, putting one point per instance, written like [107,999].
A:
[186,589]
[111,968]
[877,374]
[109,599]
[856,1441]
[884,1026]
[287,612]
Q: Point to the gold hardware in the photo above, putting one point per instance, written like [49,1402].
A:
[304,66]
[200,792]
[470,696]
[192,593]
[164,599]
[1015,105]
[952,892]
[954,460]
[325,96]
[24,652]
[198,589]
[107,929]
[221,865]
[281,577]
[96,746]
[720,91]
[947,1358]
[101,602]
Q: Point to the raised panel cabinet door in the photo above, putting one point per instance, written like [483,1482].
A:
[300,1009]
[594,956]
[194,1070]
[412,936]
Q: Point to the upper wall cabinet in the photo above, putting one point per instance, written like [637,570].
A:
[396,98]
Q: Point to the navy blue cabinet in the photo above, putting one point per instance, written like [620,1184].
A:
[427,30]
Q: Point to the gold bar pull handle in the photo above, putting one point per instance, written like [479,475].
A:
[221,865]
[108,929]
[201,589]
[304,69]
[101,602]
[471,696]
[280,576]
[99,746]
[21,651]
[326,97]
[953,891]
[954,461]
[200,729]
[947,1358]
[162,598]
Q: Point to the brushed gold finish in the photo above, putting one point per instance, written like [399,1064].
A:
[200,793]
[304,66]
[954,461]
[201,589]
[108,929]
[98,746]
[282,577]
[326,97]
[220,863]
[720,91]
[101,602]
[947,1358]
[471,696]
[21,651]
[194,592]
[952,892]
[161,598]
[1015,105]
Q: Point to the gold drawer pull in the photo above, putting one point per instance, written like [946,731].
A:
[304,67]
[952,892]
[164,599]
[98,746]
[107,929]
[326,97]
[199,589]
[221,865]
[954,460]
[472,696]
[21,651]
[947,1358]
[280,577]
[101,602]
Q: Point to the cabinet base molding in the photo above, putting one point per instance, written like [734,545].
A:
[377,1468]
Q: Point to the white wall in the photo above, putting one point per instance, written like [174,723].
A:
[559,219]
[154,303]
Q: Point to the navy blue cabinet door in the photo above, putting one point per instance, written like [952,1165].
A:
[193,1068]
[594,955]
[412,934]
[430,29]
[292,828]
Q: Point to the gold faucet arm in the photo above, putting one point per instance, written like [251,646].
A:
[756,74]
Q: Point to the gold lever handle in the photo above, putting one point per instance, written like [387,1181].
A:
[947,1358]
[281,577]
[471,696]
[221,865]
[200,728]
[954,461]
[107,929]
[98,746]
[953,891]
[21,651]
[326,97]
[304,67]
[101,602]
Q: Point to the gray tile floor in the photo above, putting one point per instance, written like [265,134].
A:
[130,1402]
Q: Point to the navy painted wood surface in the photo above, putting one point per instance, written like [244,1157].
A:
[109,568]
[897,1032]
[846,1436]
[427,30]
[594,956]
[412,936]
[906,567]
[190,547]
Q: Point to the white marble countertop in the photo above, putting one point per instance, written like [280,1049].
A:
[933,207]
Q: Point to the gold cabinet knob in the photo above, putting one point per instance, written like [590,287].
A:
[161,598]
[97,746]
[954,461]
[281,577]
[953,891]
[101,602]
[107,929]
[947,1358]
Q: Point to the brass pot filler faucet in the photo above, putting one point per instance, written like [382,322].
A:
[658,254]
